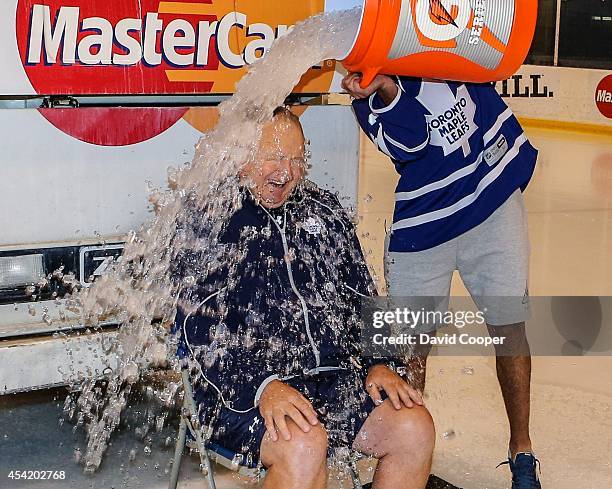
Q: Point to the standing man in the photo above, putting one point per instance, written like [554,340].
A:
[463,161]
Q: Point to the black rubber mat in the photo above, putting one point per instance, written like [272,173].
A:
[437,483]
[434,483]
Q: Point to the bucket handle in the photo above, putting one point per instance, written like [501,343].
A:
[368,76]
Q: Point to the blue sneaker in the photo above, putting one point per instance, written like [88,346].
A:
[524,470]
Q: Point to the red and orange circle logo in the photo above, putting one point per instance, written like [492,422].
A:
[147,47]
[603,96]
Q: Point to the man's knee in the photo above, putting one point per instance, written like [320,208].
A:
[304,452]
[414,427]
[408,430]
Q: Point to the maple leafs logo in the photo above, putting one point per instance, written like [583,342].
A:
[439,12]
[451,117]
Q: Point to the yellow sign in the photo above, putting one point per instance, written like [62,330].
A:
[241,32]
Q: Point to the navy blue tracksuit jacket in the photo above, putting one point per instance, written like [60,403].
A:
[288,306]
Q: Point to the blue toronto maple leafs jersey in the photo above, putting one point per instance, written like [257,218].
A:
[460,153]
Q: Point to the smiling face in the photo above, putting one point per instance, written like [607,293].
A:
[279,164]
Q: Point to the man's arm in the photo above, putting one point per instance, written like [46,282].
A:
[389,112]
[358,280]
[383,85]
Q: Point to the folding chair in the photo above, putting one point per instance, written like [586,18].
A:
[209,452]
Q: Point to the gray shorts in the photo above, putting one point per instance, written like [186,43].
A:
[492,260]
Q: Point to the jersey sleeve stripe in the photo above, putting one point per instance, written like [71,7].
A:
[492,132]
[388,107]
[399,145]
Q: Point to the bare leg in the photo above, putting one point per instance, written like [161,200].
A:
[403,441]
[300,463]
[513,364]
[416,366]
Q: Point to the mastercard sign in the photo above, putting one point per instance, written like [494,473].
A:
[603,96]
[148,47]
[77,47]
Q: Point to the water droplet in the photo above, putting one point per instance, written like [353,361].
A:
[449,434]
[237,461]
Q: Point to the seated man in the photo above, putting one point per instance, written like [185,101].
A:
[276,336]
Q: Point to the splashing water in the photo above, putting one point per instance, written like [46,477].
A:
[140,290]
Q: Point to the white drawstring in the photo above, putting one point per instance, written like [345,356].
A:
[198,363]
[292,282]
[356,291]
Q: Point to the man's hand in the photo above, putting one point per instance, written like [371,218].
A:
[384,85]
[279,400]
[397,390]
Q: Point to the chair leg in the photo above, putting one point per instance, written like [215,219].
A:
[205,462]
[178,454]
[192,409]
[355,476]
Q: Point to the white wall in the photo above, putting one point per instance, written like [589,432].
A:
[555,94]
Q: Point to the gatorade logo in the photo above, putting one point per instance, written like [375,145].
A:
[603,96]
[438,24]
[149,47]
[441,21]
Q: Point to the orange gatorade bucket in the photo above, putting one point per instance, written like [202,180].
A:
[462,40]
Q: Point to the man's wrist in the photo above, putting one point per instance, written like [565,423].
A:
[388,90]
[263,386]
[383,364]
